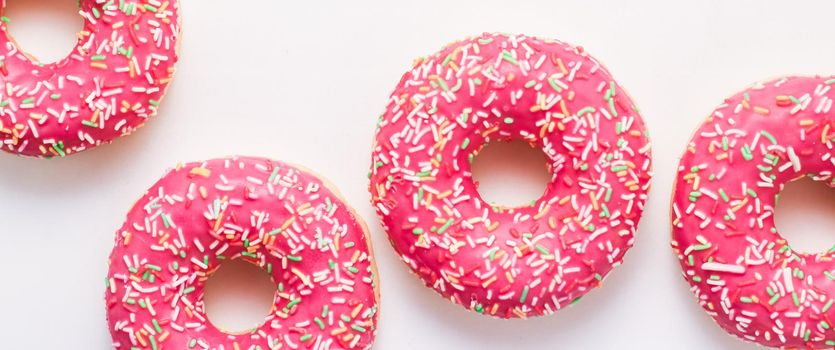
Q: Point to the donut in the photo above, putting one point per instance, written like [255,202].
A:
[284,219]
[742,271]
[510,262]
[110,84]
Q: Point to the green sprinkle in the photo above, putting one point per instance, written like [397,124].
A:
[702,246]
[746,152]
[446,60]
[524,294]
[492,253]
[827,305]
[769,136]
[507,56]
[445,226]
[605,213]
[585,110]
[554,85]
[444,86]
[724,195]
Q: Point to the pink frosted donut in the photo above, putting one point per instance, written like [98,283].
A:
[744,274]
[284,219]
[500,261]
[110,84]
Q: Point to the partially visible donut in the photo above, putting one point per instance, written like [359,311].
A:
[110,84]
[510,262]
[743,272]
[284,219]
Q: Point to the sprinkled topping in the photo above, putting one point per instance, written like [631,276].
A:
[744,274]
[280,218]
[109,85]
[510,262]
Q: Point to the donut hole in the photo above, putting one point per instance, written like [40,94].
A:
[44,29]
[803,216]
[511,173]
[239,296]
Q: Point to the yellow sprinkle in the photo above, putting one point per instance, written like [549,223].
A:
[200,172]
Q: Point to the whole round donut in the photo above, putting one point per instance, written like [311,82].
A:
[523,261]
[110,84]
[277,216]
[743,272]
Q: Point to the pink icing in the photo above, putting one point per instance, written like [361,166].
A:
[109,85]
[744,274]
[274,215]
[510,262]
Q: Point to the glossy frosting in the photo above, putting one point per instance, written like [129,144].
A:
[277,216]
[744,274]
[510,262]
[110,84]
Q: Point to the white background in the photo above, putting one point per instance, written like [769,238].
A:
[304,82]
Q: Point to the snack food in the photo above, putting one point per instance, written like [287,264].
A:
[284,219]
[743,272]
[510,262]
[110,84]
